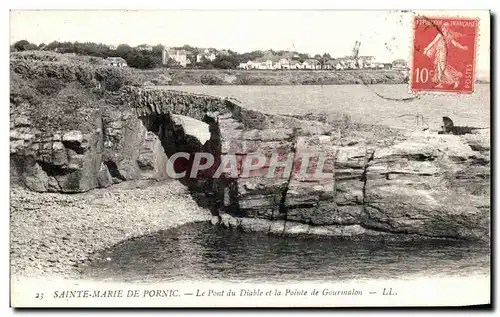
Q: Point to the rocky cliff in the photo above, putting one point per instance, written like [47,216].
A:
[381,183]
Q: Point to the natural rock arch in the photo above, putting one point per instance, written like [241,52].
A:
[377,188]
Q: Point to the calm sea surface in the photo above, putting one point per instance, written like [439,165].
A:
[361,102]
[200,251]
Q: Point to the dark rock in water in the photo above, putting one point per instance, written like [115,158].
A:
[449,127]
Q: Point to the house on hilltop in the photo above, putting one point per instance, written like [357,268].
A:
[115,61]
[268,61]
[400,64]
[205,53]
[283,63]
[342,63]
[366,62]
[311,64]
[296,65]
[268,64]
[244,66]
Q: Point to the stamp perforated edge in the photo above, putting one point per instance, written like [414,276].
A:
[476,54]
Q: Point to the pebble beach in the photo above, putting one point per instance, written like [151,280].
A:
[52,234]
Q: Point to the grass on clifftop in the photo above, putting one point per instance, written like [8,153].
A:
[59,90]
[163,77]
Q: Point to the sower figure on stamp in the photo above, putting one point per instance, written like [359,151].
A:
[444,74]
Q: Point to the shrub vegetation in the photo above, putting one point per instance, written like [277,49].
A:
[62,90]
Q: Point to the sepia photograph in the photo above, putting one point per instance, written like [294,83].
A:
[250,158]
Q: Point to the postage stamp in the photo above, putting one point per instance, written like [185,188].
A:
[444,54]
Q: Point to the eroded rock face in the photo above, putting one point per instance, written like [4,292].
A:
[118,149]
[411,189]
[65,161]
[424,184]
[123,144]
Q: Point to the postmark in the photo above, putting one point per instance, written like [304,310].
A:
[444,54]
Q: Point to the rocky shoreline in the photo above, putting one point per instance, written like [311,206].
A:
[52,234]
[354,232]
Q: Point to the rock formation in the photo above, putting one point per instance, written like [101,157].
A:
[382,184]
[449,127]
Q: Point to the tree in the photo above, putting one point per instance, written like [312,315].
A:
[191,59]
[325,58]
[171,63]
[250,56]
[21,45]
[303,57]
[52,45]
[158,50]
[225,62]
[188,47]
[205,63]
[31,47]
[142,59]
[123,49]
[91,49]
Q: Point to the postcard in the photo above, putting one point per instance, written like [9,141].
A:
[250,158]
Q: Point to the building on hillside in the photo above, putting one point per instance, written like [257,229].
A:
[115,61]
[311,64]
[349,62]
[244,66]
[205,53]
[269,64]
[283,63]
[112,47]
[400,64]
[339,66]
[367,62]
[144,47]
[296,65]
[271,61]
[342,63]
[180,56]
[262,65]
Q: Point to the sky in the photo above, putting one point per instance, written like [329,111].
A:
[384,34]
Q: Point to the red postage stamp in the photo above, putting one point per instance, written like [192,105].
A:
[444,54]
